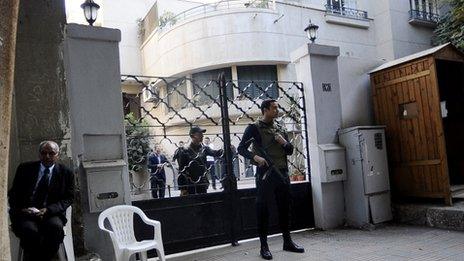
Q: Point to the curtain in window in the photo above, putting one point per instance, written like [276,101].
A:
[206,81]
[174,91]
[263,78]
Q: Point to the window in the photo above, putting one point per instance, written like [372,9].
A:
[176,91]
[346,8]
[131,104]
[204,84]
[336,4]
[342,4]
[426,6]
[258,81]
[423,10]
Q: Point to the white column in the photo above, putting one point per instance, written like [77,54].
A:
[189,89]
[317,66]
[235,80]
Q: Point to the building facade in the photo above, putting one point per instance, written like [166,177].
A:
[253,40]
[191,42]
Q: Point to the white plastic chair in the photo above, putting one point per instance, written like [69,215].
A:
[66,251]
[121,219]
[68,238]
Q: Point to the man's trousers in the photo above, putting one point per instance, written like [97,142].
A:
[40,238]
[273,186]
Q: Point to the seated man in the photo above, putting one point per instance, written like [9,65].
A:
[41,193]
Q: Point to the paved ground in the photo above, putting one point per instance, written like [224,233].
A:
[388,243]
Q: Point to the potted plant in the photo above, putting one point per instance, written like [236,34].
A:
[138,147]
[167,18]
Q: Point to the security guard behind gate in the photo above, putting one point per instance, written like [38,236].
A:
[269,152]
[192,164]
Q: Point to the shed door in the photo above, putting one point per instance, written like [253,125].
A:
[406,100]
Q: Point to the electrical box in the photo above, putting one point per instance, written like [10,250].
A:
[104,183]
[367,187]
[104,167]
[333,165]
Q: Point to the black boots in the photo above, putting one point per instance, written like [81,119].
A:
[264,252]
[290,246]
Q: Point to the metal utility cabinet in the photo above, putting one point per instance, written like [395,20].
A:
[367,187]
[104,168]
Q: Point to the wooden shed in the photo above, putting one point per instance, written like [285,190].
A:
[420,98]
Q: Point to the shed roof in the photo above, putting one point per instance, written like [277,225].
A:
[410,58]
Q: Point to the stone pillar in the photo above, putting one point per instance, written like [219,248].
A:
[40,107]
[8,24]
[40,90]
[317,67]
[97,126]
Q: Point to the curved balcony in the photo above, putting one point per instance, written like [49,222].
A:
[232,35]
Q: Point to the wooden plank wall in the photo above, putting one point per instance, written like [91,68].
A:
[416,147]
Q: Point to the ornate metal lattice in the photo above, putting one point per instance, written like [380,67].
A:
[164,109]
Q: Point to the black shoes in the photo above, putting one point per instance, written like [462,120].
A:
[290,246]
[265,253]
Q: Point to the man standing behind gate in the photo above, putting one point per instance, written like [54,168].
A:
[156,163]
[269,152]
[192,164]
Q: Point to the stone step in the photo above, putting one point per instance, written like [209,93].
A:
[431,215]
[457,188]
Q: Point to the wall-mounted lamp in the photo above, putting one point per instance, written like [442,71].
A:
[90,11]
[311,31]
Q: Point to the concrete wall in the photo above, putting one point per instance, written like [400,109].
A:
[395,37]
[124,15]
[355,90]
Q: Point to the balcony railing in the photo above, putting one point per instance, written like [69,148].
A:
[223,5]
[423,16]
[347,12]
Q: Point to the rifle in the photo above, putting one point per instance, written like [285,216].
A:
[270,162]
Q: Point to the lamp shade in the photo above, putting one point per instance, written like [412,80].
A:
[311,31]
[90,11]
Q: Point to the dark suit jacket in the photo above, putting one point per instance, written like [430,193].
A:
[153,165]
[60,193]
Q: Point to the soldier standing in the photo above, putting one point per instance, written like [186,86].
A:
[269,152]
[192,164]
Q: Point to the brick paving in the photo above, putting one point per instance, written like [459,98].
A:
[392,242]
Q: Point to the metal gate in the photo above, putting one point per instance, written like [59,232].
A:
[159,113]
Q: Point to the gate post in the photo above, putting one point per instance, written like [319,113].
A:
[230,182]
[91,56]
[317,67]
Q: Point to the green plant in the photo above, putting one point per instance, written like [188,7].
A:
[258,3]
[138,144]
[167,17]
[450,27]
